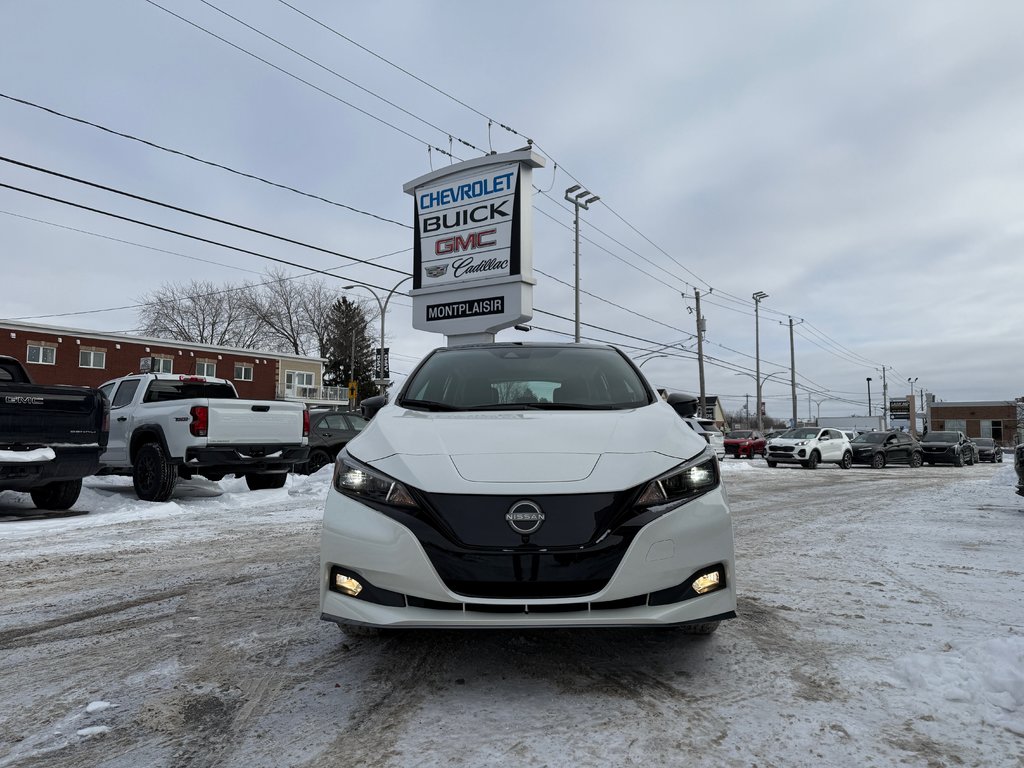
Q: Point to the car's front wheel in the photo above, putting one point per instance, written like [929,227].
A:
[959,460]
[878,461]
[847,461]
[915,460]
[812,461]
[772,464]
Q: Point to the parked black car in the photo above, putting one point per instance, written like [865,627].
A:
[947,448]
[988,449]
[881,448]
[329,431]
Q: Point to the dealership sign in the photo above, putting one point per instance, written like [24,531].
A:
[899,409]
[472,253]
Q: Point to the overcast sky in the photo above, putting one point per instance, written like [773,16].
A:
[861,163]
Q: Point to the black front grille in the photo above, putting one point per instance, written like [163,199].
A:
[573,553]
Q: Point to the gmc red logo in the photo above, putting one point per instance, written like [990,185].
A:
[470,242]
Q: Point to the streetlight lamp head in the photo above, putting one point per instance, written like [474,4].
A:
[572,189]
[592,199]
[758,295]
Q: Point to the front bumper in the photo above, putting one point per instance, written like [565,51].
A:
[940,456]
[791,453]
[647,588]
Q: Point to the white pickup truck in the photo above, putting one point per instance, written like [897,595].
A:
[164,426]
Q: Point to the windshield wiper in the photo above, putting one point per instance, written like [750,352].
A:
[428,405]
[540,407]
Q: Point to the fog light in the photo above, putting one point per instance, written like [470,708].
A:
[347,584]
[706,582]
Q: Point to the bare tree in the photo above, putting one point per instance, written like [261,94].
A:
[202,313]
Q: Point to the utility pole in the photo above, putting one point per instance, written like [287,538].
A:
[885,400]
[792,369]
[700,354]
[758,296]
[575,195]
[869,397]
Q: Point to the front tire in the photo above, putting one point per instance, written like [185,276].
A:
[878,461]
[57,495]
[772,464]
[847,461]
[812,460]
[265,482]
[959,460]
[153,475]
[916,461]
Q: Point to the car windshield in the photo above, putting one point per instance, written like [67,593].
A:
[740,434]
[523,377]
[801,433]
[940,437]
[870,437]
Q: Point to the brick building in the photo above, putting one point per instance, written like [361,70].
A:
[55,355]
[1002,420]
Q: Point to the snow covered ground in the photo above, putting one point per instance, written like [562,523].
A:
[881,623]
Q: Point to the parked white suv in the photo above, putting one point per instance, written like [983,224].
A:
[809,446]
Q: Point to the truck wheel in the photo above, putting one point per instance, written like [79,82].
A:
[317,460]
[58,495]
[153,475]
[878,461]
[263,482]
[812,461]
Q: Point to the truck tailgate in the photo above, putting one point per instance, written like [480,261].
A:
[234,422]
[37,415]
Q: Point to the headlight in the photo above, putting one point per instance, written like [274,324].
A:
[355,479]
[687,481]
[802,442]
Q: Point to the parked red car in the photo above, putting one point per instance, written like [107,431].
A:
[745,443]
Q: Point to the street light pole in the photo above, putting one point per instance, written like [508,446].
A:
[869,397]
[383,306]
[913,409]
[575,195]
[758,296]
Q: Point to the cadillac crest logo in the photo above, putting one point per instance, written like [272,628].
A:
[524,517]
[436,270]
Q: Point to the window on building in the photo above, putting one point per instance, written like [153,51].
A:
[243,372]
[41,354]
[163,365]
[956,425]
[92,358]
[992,428]
[206,368]
[299,383]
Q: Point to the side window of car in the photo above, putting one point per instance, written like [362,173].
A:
[356,422]
[125,392]
[334,421]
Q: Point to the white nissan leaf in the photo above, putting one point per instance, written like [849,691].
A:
[527,485]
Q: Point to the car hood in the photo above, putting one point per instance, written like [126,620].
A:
[939,444]
[515,451]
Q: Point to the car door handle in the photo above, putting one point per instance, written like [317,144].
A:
[122,418]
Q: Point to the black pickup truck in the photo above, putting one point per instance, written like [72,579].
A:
[50,436]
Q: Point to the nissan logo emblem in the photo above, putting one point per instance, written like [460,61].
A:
[524,517]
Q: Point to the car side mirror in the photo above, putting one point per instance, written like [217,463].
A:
[368,408]
[684,405]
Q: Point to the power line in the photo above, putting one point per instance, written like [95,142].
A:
[179,209]
[198,159]
[304,82]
